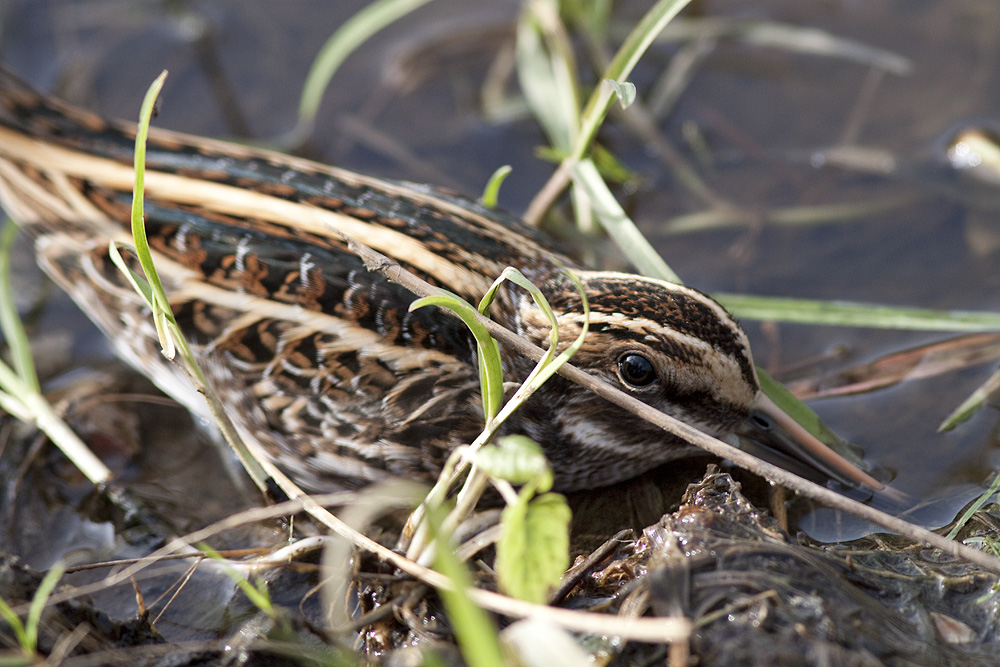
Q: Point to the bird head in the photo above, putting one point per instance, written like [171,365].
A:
[673,348]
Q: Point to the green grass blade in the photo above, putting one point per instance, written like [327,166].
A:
[17,627]
[964,411]
[618,225]
[342,43]
[806,417]
[975,507]
[491,193]
[138,226]
[8,399]
[516,277]
[546,368]
[490,365]
[152,290]
[10,322]
[30,406]
[546,73]
[635,45]
[256,592]
[162,315]
[787,37]
[138,283]
[854,314]
[42,594]
[477,635]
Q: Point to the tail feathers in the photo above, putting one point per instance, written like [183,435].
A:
[32,113]
[49,152]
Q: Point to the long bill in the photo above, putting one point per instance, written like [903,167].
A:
[772,428]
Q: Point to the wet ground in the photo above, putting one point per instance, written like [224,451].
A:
[410,105]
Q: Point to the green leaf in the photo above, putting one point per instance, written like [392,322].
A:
[151,290]
[532,382]
[9,401]
[611,169]
[145,290]
[27,633]
[20,400]
[533,549]
[979,503]
[516,277]
[517,459]
[138,283]
[163,317]
[138,194]
[624,91]
[548,366]
[17,627]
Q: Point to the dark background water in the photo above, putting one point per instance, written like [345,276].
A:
[408,105]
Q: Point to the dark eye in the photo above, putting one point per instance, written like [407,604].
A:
[636,370]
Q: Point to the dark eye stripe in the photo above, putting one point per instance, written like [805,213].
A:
[687,313]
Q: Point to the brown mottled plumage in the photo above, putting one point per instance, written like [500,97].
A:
[319,359]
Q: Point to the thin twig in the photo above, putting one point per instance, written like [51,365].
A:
[378,262]
[656,629]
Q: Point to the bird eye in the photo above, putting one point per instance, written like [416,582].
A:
[636,370]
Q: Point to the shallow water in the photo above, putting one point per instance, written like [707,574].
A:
[407,106]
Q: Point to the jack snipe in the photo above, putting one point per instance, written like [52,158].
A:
[318,358]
